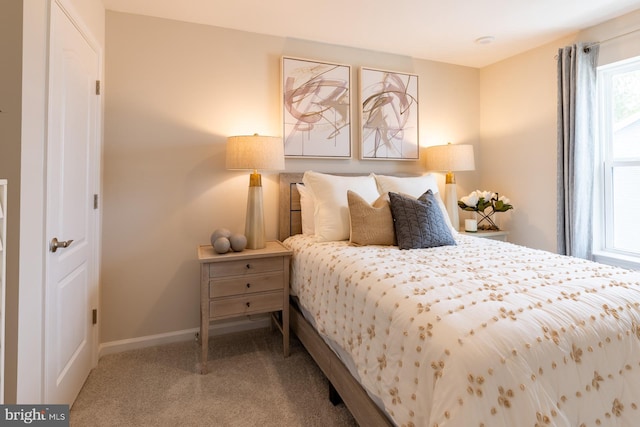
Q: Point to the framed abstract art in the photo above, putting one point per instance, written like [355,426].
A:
[316,103]
[388,115]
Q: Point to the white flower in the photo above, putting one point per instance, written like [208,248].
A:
[471,200]
[486,195]
[505,200]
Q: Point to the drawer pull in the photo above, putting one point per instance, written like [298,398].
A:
[248,304]
[248,265]
[248,285]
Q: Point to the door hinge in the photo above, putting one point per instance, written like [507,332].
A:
[95,201]
[94,315]
[97,87]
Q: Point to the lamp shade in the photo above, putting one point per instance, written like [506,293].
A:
[450,158]
[255,152]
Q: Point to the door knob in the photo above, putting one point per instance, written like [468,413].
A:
[55,244]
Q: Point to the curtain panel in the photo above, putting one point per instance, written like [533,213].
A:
[577,66]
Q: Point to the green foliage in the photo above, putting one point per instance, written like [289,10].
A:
[626,93]
[500,206]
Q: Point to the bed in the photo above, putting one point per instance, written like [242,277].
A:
[476,333]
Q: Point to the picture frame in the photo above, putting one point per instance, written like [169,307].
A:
[316,108]
[389,115]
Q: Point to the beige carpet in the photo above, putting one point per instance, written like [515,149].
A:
[250,383]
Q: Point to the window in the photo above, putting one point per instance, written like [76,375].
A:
[618,212]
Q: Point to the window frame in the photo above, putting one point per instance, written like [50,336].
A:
[603,245]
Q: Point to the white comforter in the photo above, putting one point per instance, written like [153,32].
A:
[483,333]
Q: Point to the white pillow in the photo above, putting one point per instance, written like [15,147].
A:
[331,212]
[307,208]
[413,186]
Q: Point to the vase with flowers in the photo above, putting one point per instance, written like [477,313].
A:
[481,201]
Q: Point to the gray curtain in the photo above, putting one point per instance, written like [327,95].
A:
[576,148]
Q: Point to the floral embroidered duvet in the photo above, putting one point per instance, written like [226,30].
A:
[482,333]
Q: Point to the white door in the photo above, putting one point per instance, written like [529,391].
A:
[72,168]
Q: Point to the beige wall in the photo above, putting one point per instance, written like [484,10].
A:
[518,149]
[518,128]
[615,48]
[174,93]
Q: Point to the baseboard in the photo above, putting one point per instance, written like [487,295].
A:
[215,329]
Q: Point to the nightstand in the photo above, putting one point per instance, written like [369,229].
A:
[243,283]
[488,234]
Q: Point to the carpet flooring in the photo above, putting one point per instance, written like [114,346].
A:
[249,383]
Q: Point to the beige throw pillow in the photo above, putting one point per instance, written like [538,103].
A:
[371,224]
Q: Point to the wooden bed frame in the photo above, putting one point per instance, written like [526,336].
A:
[361,406]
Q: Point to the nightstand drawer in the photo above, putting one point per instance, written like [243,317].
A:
[233,286]
[249,266]
[248,304]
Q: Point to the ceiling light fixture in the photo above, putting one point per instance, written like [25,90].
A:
[485,40]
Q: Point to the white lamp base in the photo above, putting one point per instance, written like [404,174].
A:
[254,227]
[451,203]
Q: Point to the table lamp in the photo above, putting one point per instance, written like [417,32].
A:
[451,158]
[255,152]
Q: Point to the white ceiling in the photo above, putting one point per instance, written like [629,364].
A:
[442,30]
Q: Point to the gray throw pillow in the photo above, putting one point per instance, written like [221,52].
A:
[419,223]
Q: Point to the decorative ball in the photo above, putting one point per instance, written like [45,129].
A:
[220,232]
[238,242]
[221,245]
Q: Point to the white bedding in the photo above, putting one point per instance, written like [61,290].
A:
[483,333]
